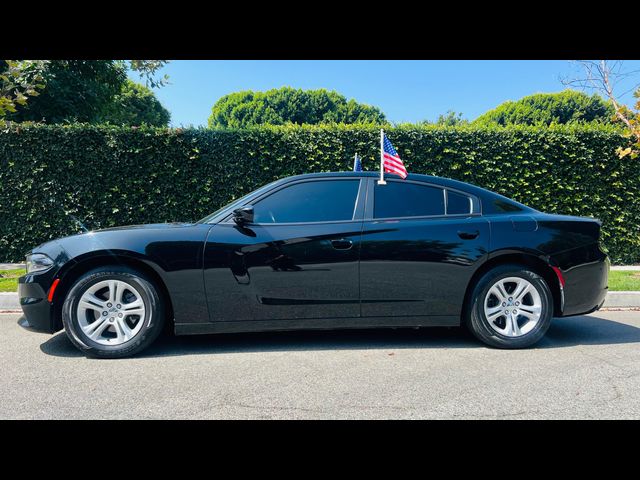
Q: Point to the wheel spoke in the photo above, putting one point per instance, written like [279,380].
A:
[134,304]
[531,316]
[119,292]
[134,308]
[507,325]
[498,294]
[532,309]
[90,301]
[512,329]
[123,331]
[112,289]
[494,312]
[116,289]
[501,288]
[521,290]
[520,285]
[95,329]
[90,328]
[98,332]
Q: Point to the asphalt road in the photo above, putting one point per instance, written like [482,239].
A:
[586,367]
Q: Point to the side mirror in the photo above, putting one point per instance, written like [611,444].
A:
[243,215]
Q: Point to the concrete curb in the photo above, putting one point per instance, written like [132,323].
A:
[9,300]
[11,266]
[622,299]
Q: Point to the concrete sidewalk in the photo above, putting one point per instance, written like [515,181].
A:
[9,301]
[622,299]
[11,266]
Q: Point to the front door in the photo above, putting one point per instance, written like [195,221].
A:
[297,260]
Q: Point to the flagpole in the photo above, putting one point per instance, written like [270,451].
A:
[381,181]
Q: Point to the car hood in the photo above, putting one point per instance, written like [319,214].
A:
[99,233]
[147,226]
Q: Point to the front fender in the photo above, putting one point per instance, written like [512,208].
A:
[174,255]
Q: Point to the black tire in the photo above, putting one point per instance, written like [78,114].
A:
[153,320]
[477,322]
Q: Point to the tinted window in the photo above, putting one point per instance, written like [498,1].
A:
[457,203]
[319,201]
[503,206]
[397,199]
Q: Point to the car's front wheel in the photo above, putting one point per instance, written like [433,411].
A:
[112,312]
[511,307]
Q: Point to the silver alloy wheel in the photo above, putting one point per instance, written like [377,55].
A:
[513,306]
[111,312]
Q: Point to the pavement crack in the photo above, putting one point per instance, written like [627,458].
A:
[611,379]
[600,359]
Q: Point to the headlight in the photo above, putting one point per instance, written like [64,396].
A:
[38,262]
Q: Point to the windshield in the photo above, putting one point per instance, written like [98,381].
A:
[235,203]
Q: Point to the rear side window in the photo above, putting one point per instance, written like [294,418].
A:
[319,201]
[502,206]
[396,199]
[457,203]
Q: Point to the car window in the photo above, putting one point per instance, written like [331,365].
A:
[457,203]
[502,206]
[319,201]
[396,199]
[236,202]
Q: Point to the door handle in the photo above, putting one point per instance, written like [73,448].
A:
[342,244]
[468,235]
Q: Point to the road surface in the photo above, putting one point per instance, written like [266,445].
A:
[586,367]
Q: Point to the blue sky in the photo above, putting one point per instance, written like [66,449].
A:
[406,91]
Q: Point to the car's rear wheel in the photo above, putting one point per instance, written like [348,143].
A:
[511,307]
[112,312]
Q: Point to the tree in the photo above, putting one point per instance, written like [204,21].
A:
[135,105]
[19,80]
[451,119]
[568,106]
[76,91]
[603,77]
[148,70]
[80,90]
[289,105]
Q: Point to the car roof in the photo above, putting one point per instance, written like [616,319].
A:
[445,182]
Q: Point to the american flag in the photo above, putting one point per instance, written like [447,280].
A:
[392,162]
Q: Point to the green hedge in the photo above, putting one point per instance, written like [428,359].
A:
[108,176]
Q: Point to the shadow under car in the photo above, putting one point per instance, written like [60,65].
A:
[564,332]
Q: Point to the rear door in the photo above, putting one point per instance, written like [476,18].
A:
[421,244]
[297,260]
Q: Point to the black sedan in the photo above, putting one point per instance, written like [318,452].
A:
[323,251]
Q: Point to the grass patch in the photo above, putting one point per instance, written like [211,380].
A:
[618,280]
[624,280]
[9,279]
